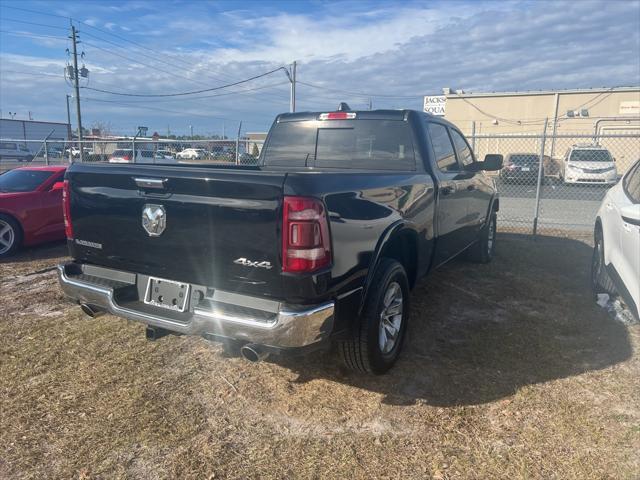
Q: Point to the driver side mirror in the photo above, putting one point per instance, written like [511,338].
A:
[57,186]
[492,162]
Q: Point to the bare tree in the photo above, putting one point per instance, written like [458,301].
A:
[104,130]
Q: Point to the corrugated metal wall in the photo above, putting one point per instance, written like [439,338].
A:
[30,130]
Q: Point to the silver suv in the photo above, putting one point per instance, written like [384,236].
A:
[15,151]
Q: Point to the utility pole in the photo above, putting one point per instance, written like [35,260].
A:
[77,87]
[293,87]
[69,133]
[191,130]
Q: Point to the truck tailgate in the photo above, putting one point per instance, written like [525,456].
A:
[215,218]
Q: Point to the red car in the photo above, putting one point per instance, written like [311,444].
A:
[30,207]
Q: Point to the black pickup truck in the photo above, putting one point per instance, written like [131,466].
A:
[319,244]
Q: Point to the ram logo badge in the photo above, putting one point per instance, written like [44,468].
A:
[249,263]
[154,219]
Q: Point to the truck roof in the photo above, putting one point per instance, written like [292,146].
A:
[360,114]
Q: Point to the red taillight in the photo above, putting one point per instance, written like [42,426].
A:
[127,157]
[306,245]
[66,210]
[338,116]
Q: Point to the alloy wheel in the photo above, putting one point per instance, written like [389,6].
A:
[7,237]
[390,318]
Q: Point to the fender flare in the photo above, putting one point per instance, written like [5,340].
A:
[495,200]
[389,234]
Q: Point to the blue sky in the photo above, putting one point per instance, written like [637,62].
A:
[391,52]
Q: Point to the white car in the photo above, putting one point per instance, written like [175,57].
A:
[192,154]
[588,164]
[615,267]
[125,155]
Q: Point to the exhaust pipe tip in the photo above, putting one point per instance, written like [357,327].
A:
[253,353]
[91,310]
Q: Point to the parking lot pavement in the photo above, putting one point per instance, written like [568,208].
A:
[563,207]
[510,371]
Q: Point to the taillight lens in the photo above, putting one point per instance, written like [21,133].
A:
[127,157]
[306,245]
[66,210]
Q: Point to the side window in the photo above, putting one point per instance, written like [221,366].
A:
[465,155]
[632,183]
[442,148]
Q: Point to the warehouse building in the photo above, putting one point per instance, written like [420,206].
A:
[589,114]
[32,132]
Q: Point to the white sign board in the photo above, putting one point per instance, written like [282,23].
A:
[630,108]
[435,105]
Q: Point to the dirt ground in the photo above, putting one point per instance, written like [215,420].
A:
[510,371]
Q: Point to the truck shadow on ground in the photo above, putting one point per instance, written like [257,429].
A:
[478,333]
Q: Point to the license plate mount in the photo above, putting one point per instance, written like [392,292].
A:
[167,294]
[526,169]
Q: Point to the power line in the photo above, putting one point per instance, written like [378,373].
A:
[183,113]
[35,74]
[128,41]
[5,19]
[124,94]
[30,34]
[239,92]
[141,63]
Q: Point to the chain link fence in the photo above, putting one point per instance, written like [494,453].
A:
[554,184]
[550,184]
[15,153]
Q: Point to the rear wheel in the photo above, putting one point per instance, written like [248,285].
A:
[600,280]
[376,340]
[483,250]
[10,236]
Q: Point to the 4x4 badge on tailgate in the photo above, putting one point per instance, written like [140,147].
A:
[249,263]
[154,219]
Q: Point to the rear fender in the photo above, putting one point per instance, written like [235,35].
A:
[395,229]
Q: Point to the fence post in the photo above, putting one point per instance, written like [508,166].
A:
[539,183]
[473,136]
[46,153]
[238,144]
[133,149]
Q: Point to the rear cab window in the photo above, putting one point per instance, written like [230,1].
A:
[365,144]
[8,146]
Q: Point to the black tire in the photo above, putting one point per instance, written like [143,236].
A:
[484,249]
[600,280]
[10,232]
[362,352]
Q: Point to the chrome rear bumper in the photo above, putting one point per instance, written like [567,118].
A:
[225,314]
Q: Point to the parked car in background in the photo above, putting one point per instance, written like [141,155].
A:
[142,156]
[521,168]
[588,164]
[55,152]
[75,151]
[15,151]
[164,155]
[320,243]
[30,207]
[616,255]
[192,154]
